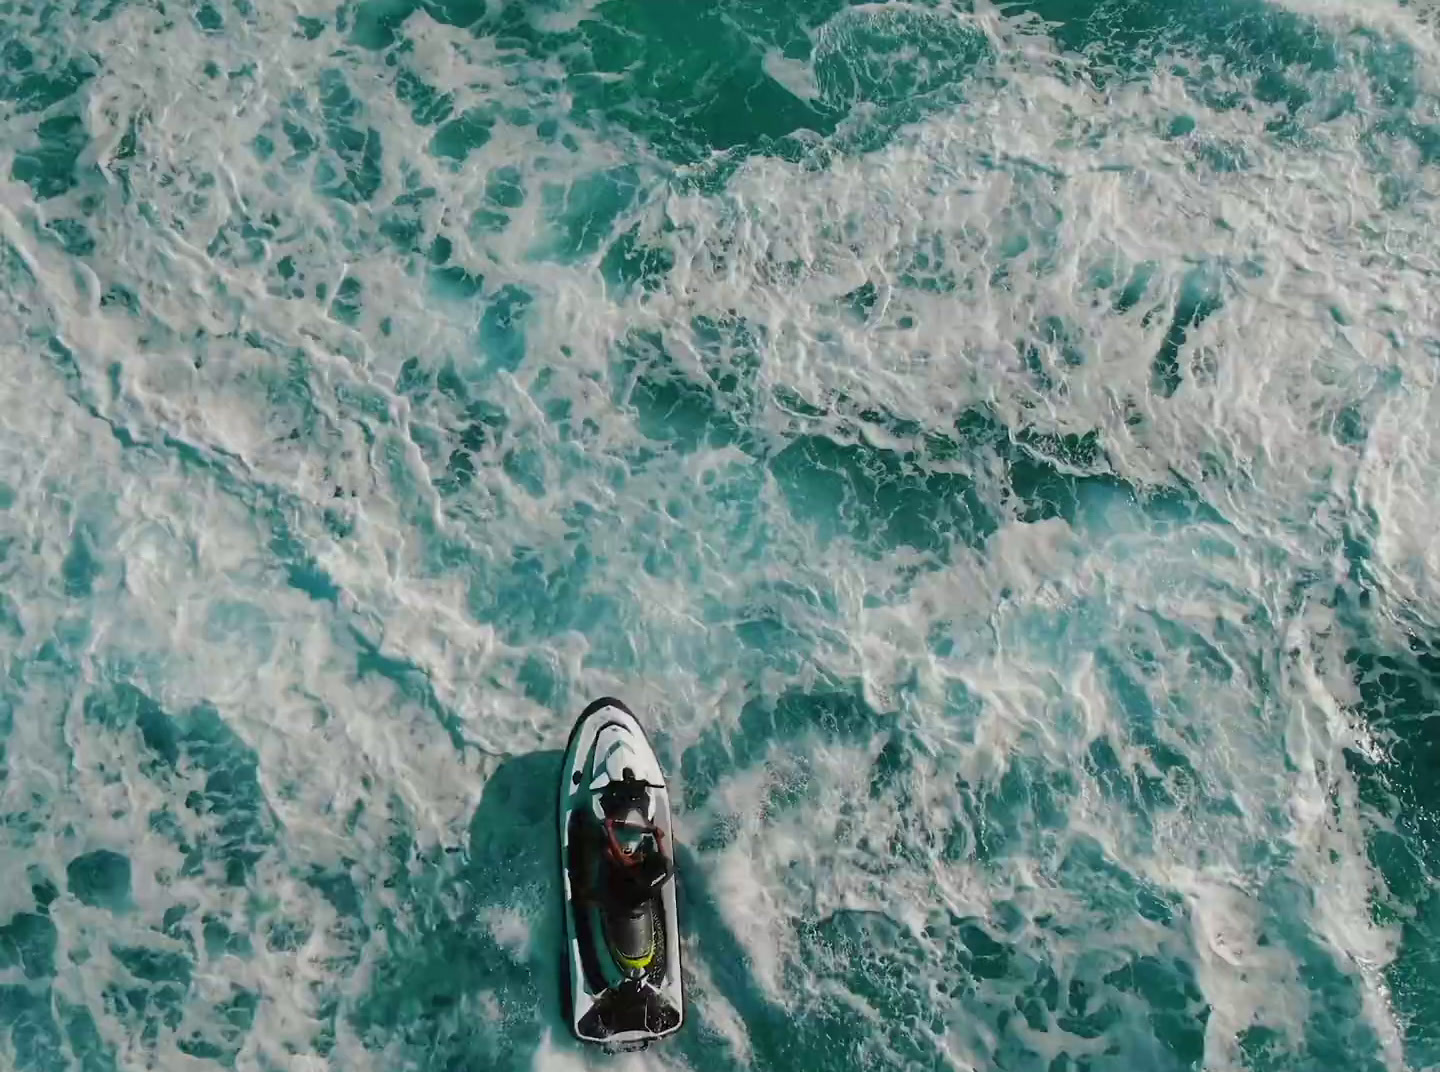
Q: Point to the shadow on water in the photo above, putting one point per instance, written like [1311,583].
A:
[473,977]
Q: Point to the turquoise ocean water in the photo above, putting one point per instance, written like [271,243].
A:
[993,448]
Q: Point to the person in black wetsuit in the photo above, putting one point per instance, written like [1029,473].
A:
[632,854]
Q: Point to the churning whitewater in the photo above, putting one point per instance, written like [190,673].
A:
[992,450]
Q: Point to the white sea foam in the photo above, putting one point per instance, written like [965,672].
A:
[190,601]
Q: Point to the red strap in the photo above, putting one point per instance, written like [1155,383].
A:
[619,855]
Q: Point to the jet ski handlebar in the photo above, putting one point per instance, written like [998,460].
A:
[612,784]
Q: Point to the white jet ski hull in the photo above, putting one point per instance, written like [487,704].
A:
[611,1005]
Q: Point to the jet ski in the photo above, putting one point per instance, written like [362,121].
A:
[622,936]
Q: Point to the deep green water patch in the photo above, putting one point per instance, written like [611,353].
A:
[240,826]
[100,878]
